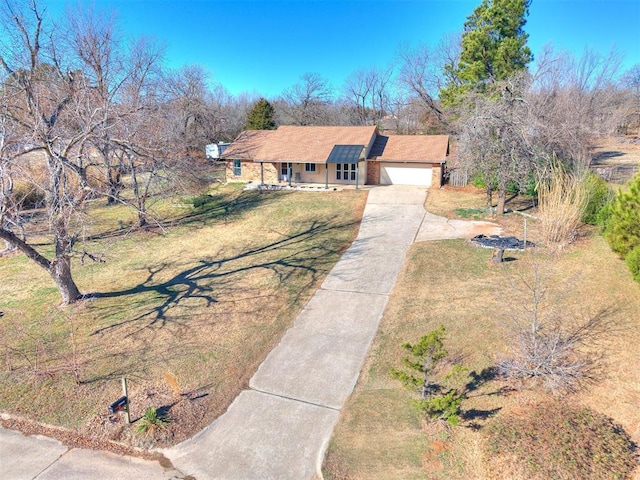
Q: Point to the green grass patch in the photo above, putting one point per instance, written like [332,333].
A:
[475,213]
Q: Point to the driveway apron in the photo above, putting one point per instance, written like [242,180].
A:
[280,428]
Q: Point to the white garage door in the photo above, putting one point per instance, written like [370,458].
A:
[404,174]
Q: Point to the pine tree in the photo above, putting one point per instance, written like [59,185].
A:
[261,116]
[622,230]
[494,47]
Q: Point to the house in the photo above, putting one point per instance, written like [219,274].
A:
[336,155]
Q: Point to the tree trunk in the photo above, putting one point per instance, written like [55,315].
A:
[60,271]
[502,195]
[59,268]
[489,196]
[114,185]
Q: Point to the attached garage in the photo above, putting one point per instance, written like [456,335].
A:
[405,174]
[416,160]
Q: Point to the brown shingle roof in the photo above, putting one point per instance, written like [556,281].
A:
[314,144]
[296,144]
[311,144]
[411,148]
[247,144]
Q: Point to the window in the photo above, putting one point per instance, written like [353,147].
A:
[345,171]
[237,168]
[309,167]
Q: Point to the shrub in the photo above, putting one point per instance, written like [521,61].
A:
[152,422]
[562,200]
[604,216]
[479,181]
[633,262]
[556,440]
[439,402]
[599,194]
[623,227]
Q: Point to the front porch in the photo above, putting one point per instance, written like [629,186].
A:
[291,173]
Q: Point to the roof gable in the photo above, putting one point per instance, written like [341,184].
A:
[411,148]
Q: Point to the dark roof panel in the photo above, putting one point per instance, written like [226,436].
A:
[346,154]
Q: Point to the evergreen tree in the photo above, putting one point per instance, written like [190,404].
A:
[261,116]
[494,47]
[622,229]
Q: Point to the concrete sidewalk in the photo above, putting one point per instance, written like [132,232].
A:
[36,457]
[280,429]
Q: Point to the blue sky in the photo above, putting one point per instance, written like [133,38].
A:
[263,47]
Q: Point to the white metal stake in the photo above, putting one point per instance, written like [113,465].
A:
[524,243]
[126,406]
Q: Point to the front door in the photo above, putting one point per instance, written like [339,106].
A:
[285,169]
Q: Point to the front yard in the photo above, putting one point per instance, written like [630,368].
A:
[382,436]
[186,315]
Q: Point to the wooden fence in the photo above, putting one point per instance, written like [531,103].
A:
[458,177]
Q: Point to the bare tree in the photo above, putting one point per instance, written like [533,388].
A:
[307,102]
[532,120]
[63,102]
[424,71]
[49,103]
[92,39]
[368,93]
[194,116]
[495,138]
[572,101]
[550,345]
[630,84]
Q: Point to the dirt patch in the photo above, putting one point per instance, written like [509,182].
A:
[616,151]
[616,159]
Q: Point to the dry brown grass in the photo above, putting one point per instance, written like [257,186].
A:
[445,200]
[448,282]
[205,301]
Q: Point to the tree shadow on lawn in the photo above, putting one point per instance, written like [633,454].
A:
[196,282]
[474,416]
[220,206]
[224,206]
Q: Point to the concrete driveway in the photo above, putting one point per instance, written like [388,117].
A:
[281,426]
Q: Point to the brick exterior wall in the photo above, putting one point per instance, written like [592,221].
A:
[251,172]
[373,173]
[436,176]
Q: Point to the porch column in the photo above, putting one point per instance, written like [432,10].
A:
[357,170]
[262,173]
[290,170]
[326,176]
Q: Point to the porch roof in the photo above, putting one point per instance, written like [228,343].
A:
[346,154]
